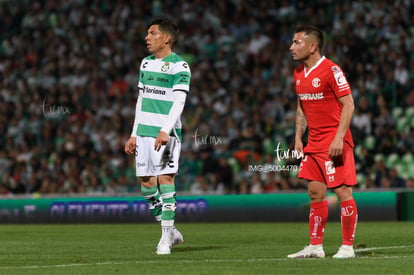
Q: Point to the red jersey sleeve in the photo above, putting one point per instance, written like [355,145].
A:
[338,82]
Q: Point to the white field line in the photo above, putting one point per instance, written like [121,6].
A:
[386,257]
[208,260]
[382,248]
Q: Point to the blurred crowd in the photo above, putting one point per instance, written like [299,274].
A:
[69,70]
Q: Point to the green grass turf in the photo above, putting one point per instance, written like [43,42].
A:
[209,248]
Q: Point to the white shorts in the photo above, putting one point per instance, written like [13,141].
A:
[150,162]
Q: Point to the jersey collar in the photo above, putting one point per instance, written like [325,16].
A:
[315,66]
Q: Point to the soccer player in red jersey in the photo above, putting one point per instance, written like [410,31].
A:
[325,107]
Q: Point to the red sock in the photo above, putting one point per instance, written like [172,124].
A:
[349,219]
[317,221]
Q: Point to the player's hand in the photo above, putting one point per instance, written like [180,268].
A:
[335,149]
[299,147]
[161,140]
[130,146]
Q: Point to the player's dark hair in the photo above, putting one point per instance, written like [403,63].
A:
[166,25]
[315,31]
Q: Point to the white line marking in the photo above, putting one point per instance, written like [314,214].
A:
[210,260]
[382,248]
[386,257]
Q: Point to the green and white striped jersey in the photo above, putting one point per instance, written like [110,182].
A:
[158,80]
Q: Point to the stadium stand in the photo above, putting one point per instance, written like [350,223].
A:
[68,72]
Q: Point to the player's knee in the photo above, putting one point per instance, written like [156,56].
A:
[148,181]
[316,195]
[316,191]
[343,192]
[166,179]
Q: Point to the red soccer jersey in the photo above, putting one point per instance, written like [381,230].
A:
[318,90]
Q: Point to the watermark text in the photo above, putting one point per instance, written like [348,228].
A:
[272,168]
[287,154]
[205,139]
[54,110]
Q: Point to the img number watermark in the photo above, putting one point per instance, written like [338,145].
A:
[272,168]
[282,155]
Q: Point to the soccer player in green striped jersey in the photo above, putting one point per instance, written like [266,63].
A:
[164,82]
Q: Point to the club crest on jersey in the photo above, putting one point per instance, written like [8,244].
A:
[316,82]
[298,82]
[165,67]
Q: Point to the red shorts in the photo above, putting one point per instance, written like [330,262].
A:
[319,167]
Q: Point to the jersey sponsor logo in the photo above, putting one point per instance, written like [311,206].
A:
[329,167]
[185,65]
[309,96]
[316,82]
[183,78]
[165,67]
[145,64]
[161,79]
[340,78]
[153,91]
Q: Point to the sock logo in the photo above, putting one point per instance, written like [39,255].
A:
[347,211]
[311,212]
[155,204]
[317,223]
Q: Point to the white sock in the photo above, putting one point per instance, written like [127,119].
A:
[166,231]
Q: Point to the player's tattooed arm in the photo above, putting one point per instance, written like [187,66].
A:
[301,123]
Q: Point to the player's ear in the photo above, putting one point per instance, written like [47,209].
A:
[314,48]
[167,39]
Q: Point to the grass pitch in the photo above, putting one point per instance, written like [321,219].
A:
[209,248]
